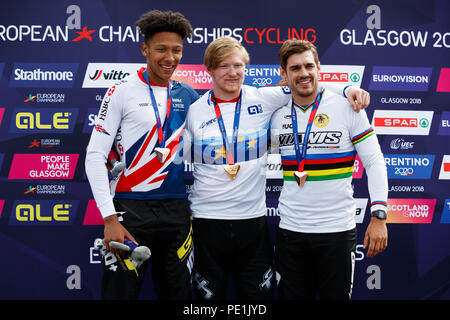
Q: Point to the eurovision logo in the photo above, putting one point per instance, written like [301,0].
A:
[43,166]
[400,79]
[410,210]
[402,122]
[401,166]
[444,125]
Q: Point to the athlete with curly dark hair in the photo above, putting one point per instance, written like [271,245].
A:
[146,202]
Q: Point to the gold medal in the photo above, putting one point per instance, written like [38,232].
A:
[162,154]
[300,176]
[232,170]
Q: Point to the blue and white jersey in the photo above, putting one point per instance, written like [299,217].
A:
[126,119]
[214,195]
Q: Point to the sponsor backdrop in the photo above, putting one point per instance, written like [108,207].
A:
[57,63]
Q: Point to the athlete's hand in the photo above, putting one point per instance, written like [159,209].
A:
[358,98]
[115,231]
[376,237]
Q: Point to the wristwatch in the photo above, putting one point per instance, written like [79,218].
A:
[380,214]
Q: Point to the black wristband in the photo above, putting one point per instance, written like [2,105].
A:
[380,214]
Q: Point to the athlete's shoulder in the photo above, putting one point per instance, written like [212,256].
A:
[183,88]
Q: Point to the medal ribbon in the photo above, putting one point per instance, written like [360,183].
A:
[237,114]
[162,130]
[301,156]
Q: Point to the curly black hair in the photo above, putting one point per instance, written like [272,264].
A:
[155,21]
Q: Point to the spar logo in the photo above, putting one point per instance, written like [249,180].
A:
[342,74]
[400,79]
[105,75]
[444,173]
[43,75]
[410,210]
[401,166]
[43,166]
[43,212]
[194,75]
[43,120]
[402,122]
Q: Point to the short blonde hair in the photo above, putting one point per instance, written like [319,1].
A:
[221,48]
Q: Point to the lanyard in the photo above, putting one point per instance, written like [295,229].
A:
[237,114]
[162,130]
[302,156]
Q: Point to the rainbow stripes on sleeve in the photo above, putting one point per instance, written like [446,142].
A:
[363,136]
[321,167]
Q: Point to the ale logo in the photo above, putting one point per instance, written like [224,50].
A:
[43,212]
[46,120]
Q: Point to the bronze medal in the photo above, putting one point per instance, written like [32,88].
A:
[162,154]
[300,177]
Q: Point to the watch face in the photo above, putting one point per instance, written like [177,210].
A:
[380,214]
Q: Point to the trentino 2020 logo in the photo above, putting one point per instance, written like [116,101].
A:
[402,166]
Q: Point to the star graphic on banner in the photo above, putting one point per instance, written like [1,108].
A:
[34,143]
[30,98]
[220,153]
[30,190]
[85,34]
[251,144]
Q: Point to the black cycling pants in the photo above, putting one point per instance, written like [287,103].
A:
[240,248]
[315,265]
[165,227]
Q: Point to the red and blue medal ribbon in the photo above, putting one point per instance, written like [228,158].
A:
[237,115]
[301,155]
[162,129]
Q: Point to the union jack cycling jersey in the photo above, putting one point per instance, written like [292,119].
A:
[126,119]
